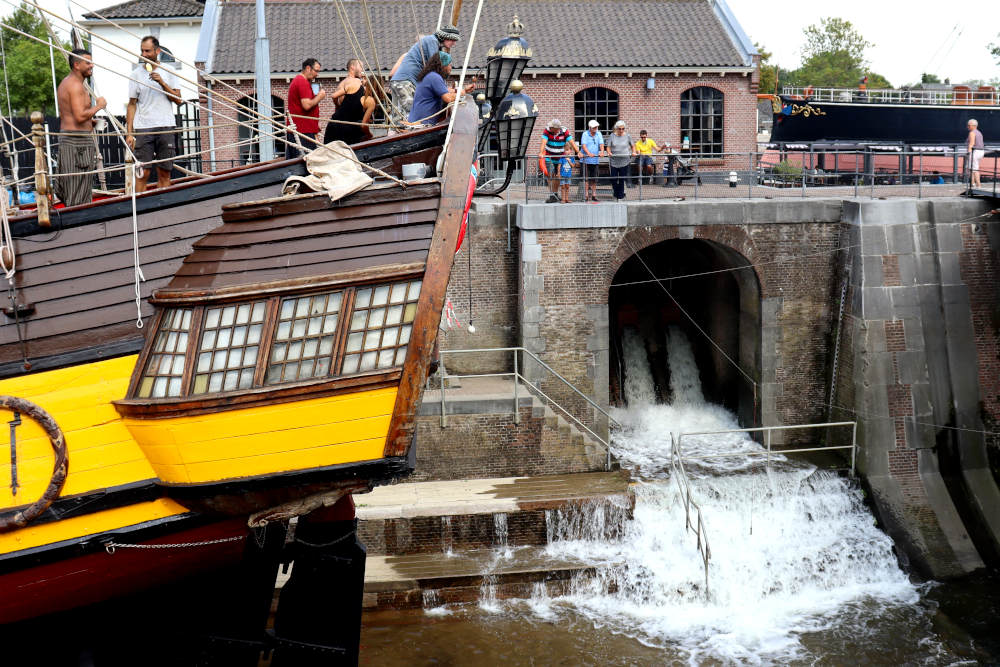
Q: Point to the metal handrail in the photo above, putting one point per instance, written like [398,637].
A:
[680,475]
[518,377]
[767,431]
[543,365]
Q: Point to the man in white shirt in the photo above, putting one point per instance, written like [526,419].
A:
[149,117]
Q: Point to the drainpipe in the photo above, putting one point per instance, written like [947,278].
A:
[211,125]
[262,53]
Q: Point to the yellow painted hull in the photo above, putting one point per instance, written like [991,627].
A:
[102,452]
[108,451]
[270,439]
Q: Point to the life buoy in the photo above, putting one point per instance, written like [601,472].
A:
[473,177]
[60,468]
[543,167]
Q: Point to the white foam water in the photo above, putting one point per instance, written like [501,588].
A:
[792,548]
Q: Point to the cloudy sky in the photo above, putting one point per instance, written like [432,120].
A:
[909,36]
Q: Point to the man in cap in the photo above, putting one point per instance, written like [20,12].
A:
[592,145]
[554,141]
[403,76]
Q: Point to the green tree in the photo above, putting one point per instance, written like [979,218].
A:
[995,50]
[768,72]
[929,78]
[834,57]
[26,64]
[833,35]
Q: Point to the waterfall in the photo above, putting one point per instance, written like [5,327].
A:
[638,387]
[794,549]
[500,535]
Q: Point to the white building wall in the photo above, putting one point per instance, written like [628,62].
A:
[180,37]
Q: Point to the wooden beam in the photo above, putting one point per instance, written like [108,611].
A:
[440,257]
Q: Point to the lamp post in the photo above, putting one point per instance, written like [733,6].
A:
[509,118]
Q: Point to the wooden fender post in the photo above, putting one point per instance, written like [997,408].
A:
[42,189]
[129,173]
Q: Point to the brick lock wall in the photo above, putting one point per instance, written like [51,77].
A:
[493,295]
[980,268]
[484,446]
[577,267]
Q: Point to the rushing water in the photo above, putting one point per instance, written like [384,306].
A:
[799,572]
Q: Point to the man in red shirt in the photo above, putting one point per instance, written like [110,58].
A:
[304,97]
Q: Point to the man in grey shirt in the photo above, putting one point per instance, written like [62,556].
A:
[149,117]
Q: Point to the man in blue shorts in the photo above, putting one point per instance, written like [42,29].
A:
[592,144]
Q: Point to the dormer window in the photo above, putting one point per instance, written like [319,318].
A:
[220,348]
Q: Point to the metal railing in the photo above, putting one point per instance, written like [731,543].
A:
[766,430]
[516,375]
[966,96]
[684,486]
[775,171]
[679,473]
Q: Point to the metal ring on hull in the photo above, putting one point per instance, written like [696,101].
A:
[22,517]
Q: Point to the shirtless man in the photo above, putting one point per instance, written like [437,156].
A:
[77,150]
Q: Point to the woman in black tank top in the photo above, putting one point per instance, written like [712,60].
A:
[352,109]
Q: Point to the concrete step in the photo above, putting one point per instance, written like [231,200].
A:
[437,517]
[431,580]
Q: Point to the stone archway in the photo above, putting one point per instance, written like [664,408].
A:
[709,290]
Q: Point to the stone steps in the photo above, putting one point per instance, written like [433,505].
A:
[431,580]
[432,543]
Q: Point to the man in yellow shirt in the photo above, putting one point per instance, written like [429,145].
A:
[645,146]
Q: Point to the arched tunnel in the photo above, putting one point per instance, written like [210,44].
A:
[708,290]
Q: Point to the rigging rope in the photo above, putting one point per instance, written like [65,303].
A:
[459,92]
[347,156]
[355,44]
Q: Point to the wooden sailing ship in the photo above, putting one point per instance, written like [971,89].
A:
[283,361]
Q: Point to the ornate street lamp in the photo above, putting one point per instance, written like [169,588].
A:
[505,62]
[507,118]
[515,118]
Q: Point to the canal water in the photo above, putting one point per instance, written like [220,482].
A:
[799,572]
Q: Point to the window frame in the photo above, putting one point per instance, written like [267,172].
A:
[271,319]
[580,122]
[698,147]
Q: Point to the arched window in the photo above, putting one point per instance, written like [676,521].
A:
[701,119]
[600,104]
[250,151]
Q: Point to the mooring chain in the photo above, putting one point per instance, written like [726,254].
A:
[111,546]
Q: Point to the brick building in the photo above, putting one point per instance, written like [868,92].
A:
[679,68]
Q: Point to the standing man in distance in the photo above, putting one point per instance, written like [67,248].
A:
[403,76]
[592,146]
[977,149]
[303,105]
[77,151]
[152,92]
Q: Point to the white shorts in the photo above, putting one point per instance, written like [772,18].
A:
[977,155]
